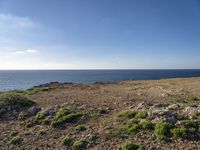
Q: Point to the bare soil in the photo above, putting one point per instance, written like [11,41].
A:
[112,97]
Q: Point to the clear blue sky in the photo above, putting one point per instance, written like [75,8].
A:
[99,34]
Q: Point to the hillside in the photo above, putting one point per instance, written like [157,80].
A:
[152,114]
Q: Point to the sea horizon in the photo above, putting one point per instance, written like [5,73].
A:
[25,79]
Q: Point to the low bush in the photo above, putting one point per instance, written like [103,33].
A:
[16,140]
[127,114]
[46,121]
[141,114]
[162,131]
[134,128]
[79,145]
[147,124]
[80,128]
[65,119]
[67,141]
[179,132]
[130,146]
[14,100]
[42,131]
[192,124]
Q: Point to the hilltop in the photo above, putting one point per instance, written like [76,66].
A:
[148,114]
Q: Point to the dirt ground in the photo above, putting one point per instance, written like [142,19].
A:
[114,97]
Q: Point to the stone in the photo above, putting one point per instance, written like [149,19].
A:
[2,110]
[142,105]
[174,107]
[33,111]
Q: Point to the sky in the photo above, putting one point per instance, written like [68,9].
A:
[99,34]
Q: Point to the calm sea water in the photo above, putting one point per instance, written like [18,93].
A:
[10,80]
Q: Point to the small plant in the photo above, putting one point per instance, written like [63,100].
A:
[60,118]
[141,114]
[147,124]
[16,140]
[61,113]
[80,128]
[42,131]
[134,128]
[46,121]
[179,132]
[67,141]
[32,123]
[130,146]
[127,114]
[15,100]
[194,99]
[162,130]
[120,131]
[132,121]
[79,145]
[192,124]
[68,118]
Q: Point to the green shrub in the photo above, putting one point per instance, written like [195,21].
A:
[61,113]
[130,146]
[127,114]
[147,124]
[65,119]
[134,128]
[141,114]
[80,128]
[67,141]
[16,140]
[162,130]
[42,131]
[120,131]
[132,121]
[194,99]
[46,122]
[192,124]
[15,100]
[32,123]
[179,132]
[79,145]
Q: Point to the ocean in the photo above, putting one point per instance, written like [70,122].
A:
[21,79]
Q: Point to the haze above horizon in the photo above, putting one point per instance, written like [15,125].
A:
[99,34]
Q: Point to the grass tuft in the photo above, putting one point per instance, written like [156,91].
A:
[16,140]
[127,114]
[79,145]
[162,131]
[131,146]
[67,141]
[65,119]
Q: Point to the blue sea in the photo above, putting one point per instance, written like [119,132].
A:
[22,79]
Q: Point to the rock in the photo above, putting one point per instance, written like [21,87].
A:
[160,112]
[142,105]
[50,111]
[32,111]
[163,114]
[170,120]
[2,110]
[191,111]
[174,107]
